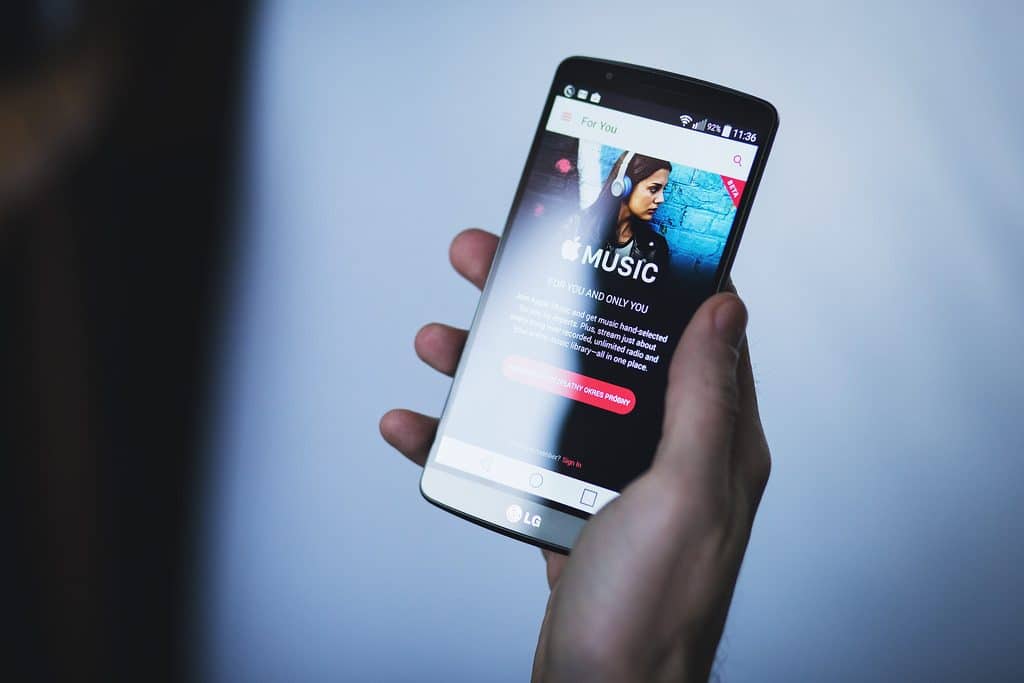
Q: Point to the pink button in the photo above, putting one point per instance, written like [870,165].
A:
[593,392]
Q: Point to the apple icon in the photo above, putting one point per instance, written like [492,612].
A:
[571,249]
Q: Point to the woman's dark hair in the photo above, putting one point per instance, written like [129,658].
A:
[598,221]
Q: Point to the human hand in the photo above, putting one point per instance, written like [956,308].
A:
[646,590]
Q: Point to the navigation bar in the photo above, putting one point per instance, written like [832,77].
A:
[523,476]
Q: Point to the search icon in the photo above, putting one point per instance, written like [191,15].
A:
[737,159]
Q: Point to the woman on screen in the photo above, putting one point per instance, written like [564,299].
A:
[619,220]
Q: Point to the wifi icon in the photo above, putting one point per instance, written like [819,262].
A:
[686,119]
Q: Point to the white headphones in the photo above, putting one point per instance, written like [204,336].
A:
[623,184]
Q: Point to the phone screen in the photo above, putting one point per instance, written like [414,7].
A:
[621,228]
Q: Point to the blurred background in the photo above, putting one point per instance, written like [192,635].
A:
[220,229]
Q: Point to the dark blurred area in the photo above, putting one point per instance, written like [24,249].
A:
[118,137]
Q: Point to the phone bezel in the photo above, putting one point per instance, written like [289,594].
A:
[657,86]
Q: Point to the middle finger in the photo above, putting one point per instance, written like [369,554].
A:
[440,346]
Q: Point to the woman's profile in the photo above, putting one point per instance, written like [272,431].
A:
[619,220]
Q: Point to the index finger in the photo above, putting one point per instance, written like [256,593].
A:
[471,254]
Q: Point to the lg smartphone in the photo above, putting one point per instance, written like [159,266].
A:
[627,217]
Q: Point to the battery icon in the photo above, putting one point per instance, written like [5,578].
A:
[726,129]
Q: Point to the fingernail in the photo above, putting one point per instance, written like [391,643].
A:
[731,320]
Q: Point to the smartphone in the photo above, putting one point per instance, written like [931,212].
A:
[628,214]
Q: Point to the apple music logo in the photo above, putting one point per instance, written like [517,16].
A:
[610,261]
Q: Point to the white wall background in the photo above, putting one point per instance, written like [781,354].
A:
[886,320]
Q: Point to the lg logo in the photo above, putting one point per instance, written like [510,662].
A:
[515,514]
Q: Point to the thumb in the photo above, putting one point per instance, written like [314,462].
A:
[702,400]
